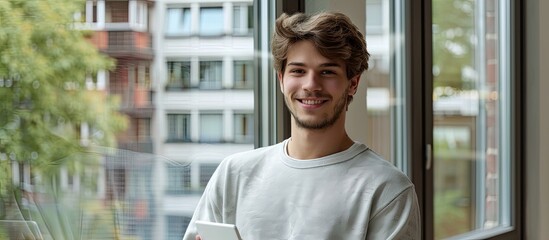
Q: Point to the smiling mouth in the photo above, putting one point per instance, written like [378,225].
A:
[311,101]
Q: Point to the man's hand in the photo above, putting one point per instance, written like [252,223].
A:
[197,237]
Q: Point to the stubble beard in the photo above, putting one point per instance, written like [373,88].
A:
[340,106]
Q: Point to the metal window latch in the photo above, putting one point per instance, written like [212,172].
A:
[429,154]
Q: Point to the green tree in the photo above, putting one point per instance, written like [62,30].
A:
[453,47]
[44,101]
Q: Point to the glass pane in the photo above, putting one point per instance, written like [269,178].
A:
[179,127]
[211,74]
[243,74]
[386,80]
[470,109]
[211,127]
[210,19]
[178,21]
[242,19]
[179,75]
[93,144]
[243,128]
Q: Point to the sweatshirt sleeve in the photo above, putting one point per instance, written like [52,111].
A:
[400,219]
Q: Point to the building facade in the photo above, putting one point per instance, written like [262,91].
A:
[185,76]
[205,112]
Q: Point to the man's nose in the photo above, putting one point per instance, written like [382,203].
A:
[311,82]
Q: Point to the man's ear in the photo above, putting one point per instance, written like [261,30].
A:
[280,83]
[353,84]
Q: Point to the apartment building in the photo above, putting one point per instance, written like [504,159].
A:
[205,111]
[185,77]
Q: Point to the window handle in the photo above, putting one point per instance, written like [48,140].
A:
[428,163]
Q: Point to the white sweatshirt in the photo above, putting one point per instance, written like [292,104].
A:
[353,194]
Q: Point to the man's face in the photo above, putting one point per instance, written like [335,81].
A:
[315,88]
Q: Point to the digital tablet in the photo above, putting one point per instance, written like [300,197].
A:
[217,231]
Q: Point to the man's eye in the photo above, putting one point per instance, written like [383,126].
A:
[299,71]
[326,72]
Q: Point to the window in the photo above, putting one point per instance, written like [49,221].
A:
[178,21]
[206,172]
[116,184]
[243,74]
[211,74]
[179,128]
[96,81]
[243,128]
[143,129]
[179,179]
[141,16]
[176,226]
[464,121]
[129,190]
[211,21]
[179,75]
[116,11]
[143,79]
[242,19]
[472,117]
[211,127]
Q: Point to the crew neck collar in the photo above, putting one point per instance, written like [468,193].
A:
[335,158]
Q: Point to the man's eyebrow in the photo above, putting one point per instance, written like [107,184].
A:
[296,64]
[328,64]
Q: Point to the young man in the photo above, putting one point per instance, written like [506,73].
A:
[319,183]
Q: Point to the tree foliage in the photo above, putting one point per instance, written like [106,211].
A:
[44,62]
[453,45]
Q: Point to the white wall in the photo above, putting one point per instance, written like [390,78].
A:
[537,120]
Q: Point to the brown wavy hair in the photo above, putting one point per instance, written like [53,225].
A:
[333,34]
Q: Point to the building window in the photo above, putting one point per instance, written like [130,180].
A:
[179,75]
[211,21]
[143,76]
[143,129]
[176,226]
[243,74]
[206,172]
[243,19]
[116,184]
[179,179]
[179,127]
[211,128]
[244,128]
[211,74]
[141,13]
[178,22]
[116,11]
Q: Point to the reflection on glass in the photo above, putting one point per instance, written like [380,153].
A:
[470,135]
[386,81]
[120,148]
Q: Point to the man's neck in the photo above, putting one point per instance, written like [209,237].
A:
[310,144]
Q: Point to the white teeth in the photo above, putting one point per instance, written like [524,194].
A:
[311,102]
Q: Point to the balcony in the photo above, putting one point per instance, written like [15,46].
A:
[136,101]
[124,44]
[138,147]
